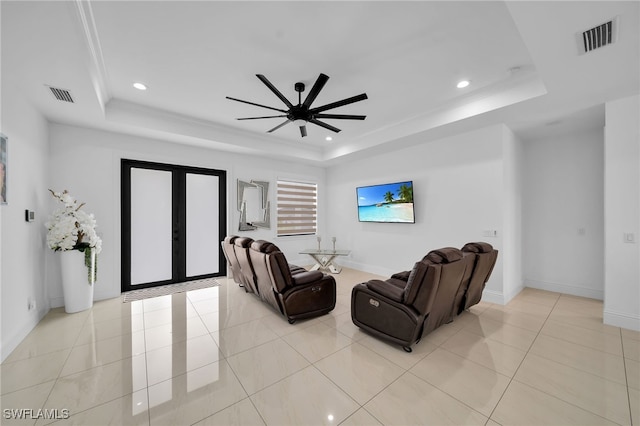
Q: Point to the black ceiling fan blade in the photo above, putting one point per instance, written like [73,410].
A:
[258,118]
[278,126]
[315,90]
[274,90]
[303,131]
[337,104]
[325,125]
[341,116]
[253,103]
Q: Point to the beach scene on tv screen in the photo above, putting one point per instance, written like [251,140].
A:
[392,202]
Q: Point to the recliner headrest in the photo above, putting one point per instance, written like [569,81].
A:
[229,239]
[478,247]
[264,246]
[244,242]
[444,255]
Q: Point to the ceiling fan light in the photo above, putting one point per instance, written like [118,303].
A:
[300,122]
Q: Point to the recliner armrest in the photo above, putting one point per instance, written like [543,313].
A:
[397,283]
[385,289]
[404,275]
[306,277]
[295,269]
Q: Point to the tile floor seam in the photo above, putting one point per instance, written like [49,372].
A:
[340,387]
[382,390]
[248,398]
[447,393]
[483,366]
[573,368]
[581,369]
[44,402]
[624,365]
[59,373]
[277,381]
[512,378]
[392,361]
[221,409]
[503,343]
[96,406]
[310,364]
[580,344]
[559,306]
[146,366]
[471,361]
[566,402]
[376,394]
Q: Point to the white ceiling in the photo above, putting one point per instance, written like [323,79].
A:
[521,57]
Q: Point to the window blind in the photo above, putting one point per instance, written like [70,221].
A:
[297,208]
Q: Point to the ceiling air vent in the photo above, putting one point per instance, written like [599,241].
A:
[61,94]
[598,36]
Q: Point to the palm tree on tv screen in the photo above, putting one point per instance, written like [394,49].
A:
[388,197]
[406,193]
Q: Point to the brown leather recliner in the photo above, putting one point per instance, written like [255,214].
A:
[455,267]
[396,309]
[293,291]
[232,260]
[241,249]
[485,257]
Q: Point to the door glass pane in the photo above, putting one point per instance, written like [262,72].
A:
[203,241]
[151,226]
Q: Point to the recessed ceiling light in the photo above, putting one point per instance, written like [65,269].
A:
[462,84]
[140,86]
[328,138]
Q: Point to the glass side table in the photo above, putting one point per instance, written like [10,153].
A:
[324,259]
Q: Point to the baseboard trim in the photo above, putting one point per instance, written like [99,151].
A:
[620,319]
[384,272]
[56,302]
[10,344]
[565,289]
[492,296]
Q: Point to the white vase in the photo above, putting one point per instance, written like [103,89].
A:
[76,287]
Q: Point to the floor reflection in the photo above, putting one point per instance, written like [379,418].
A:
[222,356]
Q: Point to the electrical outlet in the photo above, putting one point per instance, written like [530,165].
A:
[490,233]
[31,304]
[629,237]
[29,215]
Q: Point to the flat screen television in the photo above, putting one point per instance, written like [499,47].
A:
[387,203]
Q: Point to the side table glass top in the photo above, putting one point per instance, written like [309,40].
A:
[326,252]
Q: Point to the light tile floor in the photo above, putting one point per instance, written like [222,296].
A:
[219,356]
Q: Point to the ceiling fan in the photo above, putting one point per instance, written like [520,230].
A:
[302,113]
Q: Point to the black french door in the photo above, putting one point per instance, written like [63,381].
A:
[173,219]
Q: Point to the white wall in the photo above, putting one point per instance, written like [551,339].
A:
[622,213]
[88,165]
[22,267]
[564,215]
[459,192]
[512,181]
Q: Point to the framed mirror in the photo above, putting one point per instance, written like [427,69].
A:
[254,205]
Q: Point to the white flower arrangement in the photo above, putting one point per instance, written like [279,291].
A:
[71,228]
